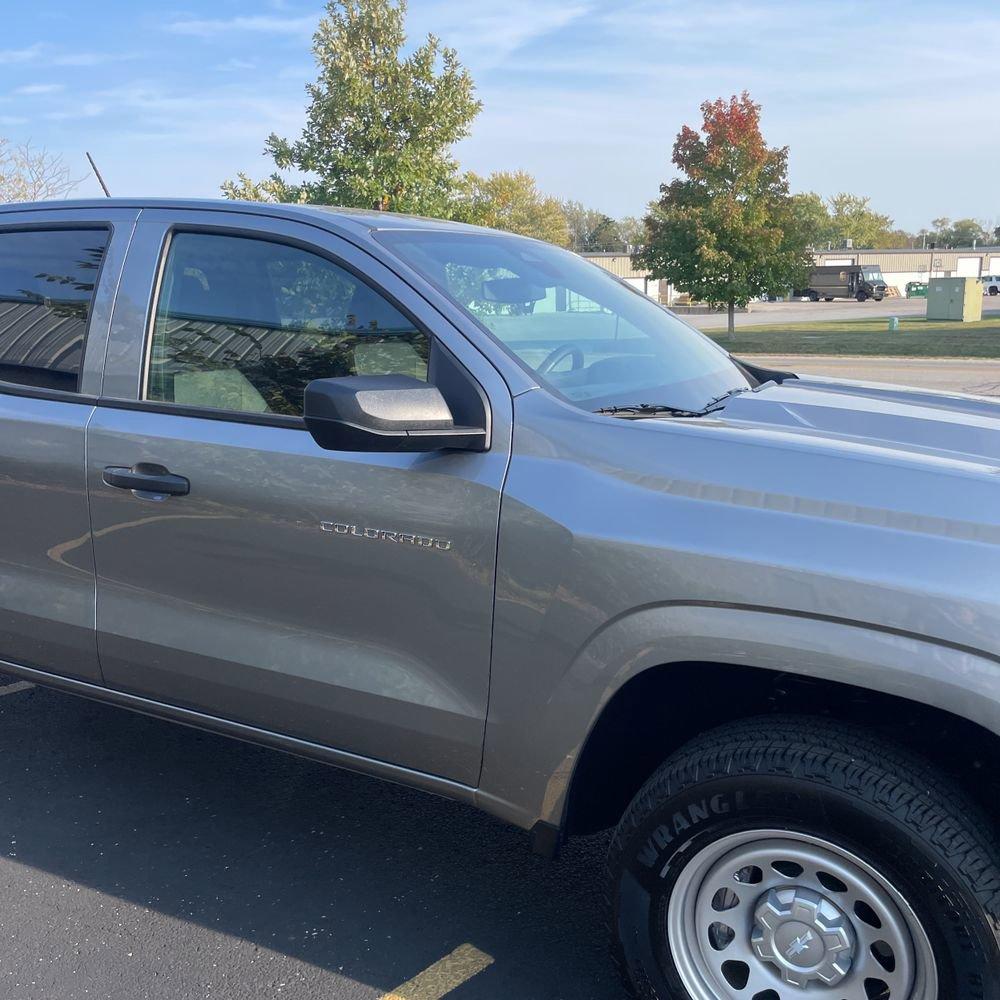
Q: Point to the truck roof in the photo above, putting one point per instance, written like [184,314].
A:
[328,216]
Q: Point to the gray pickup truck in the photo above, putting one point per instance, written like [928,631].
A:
[459,509]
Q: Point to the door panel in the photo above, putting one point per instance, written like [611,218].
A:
[59,269]
[234,599]
[259,597]
[46,558]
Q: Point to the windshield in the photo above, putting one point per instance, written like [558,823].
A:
[873,275]
[583,333]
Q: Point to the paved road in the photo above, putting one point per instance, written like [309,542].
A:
[776,313]
[144,860]
[975,375]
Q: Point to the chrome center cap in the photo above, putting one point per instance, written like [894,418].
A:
[803,934]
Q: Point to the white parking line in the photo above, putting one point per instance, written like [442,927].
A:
[15,687]
[444,976]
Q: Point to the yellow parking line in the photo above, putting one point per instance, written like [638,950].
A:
[16,687]
[444,976]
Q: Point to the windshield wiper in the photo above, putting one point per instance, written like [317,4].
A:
[713,404]
[654,409]
[646,410]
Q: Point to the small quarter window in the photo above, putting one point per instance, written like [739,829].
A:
[245,324]
[47,282]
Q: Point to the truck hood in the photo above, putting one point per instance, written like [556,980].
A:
[911,422]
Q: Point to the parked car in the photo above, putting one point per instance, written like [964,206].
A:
[991,284]
[461,510]
[844,281]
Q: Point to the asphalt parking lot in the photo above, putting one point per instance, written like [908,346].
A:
[145,860]
[776,313]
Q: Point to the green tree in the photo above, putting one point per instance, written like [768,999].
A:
[725,231]
[632,230]
[582,222]
[811,218]
[511,200]
[852,218]
[380,124]
[591,229]
[898,239]
[961,233]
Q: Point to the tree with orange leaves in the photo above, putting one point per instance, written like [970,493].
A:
[725,231]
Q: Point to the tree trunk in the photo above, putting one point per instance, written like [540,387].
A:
[732,318]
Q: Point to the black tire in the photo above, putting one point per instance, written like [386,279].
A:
[814,296]
[867,796]
[827,298]
[994,290]
[861,297]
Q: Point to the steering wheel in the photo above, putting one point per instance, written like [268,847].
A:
[563,351]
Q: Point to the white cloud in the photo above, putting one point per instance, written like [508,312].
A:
[91,58]
[37,89]
[89,109]
[261,24]
[12,120]
[12,56]
[486,33]
[235,65]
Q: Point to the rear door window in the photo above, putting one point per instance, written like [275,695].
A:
[244,324]
[47,282]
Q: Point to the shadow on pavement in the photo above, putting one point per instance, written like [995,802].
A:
[163,861]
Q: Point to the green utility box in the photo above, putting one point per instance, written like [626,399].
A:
[955,299]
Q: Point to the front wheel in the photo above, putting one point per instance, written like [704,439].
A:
[861,297]
[791,859]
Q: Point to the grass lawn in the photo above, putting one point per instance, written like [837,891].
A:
[916,338]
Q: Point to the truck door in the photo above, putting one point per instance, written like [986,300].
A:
[58,274]
[256,577]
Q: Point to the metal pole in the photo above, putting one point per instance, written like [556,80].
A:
[100,179]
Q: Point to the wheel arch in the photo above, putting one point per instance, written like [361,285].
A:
[689,668]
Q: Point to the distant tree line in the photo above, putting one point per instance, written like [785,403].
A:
[831,223]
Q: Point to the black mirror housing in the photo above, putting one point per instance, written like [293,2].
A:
[384,413]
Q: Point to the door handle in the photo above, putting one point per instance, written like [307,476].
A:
[148,481]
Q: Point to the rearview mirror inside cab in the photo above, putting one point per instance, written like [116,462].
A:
[384,413]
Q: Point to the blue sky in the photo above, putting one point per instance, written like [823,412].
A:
[896,100]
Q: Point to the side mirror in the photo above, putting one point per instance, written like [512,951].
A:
[384,413]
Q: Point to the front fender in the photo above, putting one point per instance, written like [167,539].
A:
[537,728]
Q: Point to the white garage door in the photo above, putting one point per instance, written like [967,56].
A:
[648,286]
[968,267]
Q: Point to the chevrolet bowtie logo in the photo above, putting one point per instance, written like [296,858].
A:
[799,945]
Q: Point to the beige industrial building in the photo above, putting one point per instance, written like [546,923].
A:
[620,265]
[898,266]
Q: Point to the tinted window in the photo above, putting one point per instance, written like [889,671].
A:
[47,281]
[245,324]
[585,334]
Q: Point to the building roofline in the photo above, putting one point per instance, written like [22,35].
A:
[993,247]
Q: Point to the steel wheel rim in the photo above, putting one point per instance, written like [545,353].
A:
[794,944]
